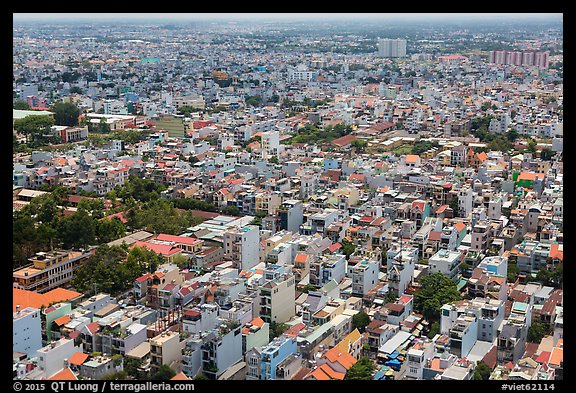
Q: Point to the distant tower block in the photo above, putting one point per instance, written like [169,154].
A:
[388,47]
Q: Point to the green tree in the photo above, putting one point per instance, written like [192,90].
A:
[531,146]
[546,154]
[164,373]
[253,100]
[131,366]
[454,204]
[512,134]
[108,230]
[359,144]
[360,320]
[307,288]
[102,272]
[231,210]
[434,329]
[436,290]
[363,369]
[536,332]
[276,329]
[482,371]
[65,114]
[20,104]
[34,127]
[513,271]
[181,260]
[77,230]
[348,248]
[119,375]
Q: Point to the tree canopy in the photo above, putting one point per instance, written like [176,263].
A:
[481,372]
[65,114]
[363,369]
[437,290]
[360,320]
[34,127]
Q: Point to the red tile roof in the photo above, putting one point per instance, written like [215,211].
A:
[78,358]
[64,375]
[25,298]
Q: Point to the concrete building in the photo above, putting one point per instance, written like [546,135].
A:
[48,270]
[275,353]
[242,244]
[291,215]
[277,302]
[165,349]
[52,358]
[388,47]
[364,275]
[445,262]
[26,331]
[221,348]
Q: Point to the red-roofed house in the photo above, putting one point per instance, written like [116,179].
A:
[189,244]
[344,142]
[166,250]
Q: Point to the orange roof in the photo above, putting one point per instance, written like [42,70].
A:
[164,249]
[435,364]
[257,322]
[331,373]
[556,356]
[459,226]
[78,358]
[529,176]
[482,156]
[63,320]
[179,377]
[301,258]
[344,358]
[411,158]
[64,375]
[26,298]
[556,252]
[319,375]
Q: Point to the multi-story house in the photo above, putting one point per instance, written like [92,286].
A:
[26,331]
[364,275]
[445,262]
[326,268]
[275,353]
[221,348]
[242,245]
[165,349]
[277,302]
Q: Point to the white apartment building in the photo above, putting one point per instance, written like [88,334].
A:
[277,303]
[364,276]
[242,244]
[26,331]
[52,358]
[270,143]
[445,262]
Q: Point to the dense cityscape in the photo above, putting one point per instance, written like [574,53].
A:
[288,197]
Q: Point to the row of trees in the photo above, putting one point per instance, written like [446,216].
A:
[311,133]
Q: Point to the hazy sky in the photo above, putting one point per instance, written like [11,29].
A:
[183,17]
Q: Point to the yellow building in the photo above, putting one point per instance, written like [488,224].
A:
[48,270]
